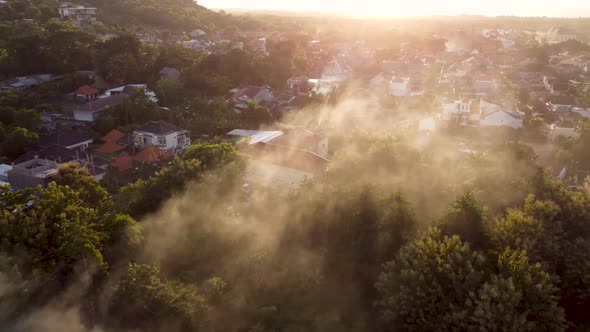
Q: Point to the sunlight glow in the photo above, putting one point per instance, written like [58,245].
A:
[397,8]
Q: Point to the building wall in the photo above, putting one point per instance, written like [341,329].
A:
[168,142]
[84,116]
[399,89]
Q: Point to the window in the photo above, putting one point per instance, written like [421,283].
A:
[162,141]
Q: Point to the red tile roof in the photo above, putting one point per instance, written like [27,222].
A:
[110,147]
[122,163]
[86,90]
[113,136]
[152,154]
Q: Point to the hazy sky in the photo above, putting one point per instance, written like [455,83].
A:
[368,8]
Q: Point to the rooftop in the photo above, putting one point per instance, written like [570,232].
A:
[159,128]
[256,136]
[64,137]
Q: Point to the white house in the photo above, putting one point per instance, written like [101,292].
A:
[501,118]
[129,88]
[197,33]
[163,135]
[377,81]
[79,15]
[399,86]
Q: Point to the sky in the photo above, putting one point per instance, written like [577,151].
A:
[393,8]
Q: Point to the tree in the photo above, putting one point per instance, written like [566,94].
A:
[429,285]
[537,130]
[53,234]
[119,59]
[79,180]
[18,141]
[28,119]
[255,115]
[143,197]
[466,218]
[211,156]
[142,300]
[169,92]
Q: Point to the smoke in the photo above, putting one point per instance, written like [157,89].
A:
[266,242]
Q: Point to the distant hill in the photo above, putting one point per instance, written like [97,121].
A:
[179,15]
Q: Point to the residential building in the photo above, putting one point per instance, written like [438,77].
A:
[197,33]
[259,46]
[501,118]
[298,83]
[79,15]
[67,138]
[32,173]
[459,111]
[484,85]
[560,35]
[163,135]
[27,82]
[252,137]
[91,111]
[399,86]
[252,93]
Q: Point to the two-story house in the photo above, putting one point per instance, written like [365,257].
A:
[79,15]
[399,86]
[163,135]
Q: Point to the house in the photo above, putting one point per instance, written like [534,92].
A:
[27,82]
[252,137]
[252,93]
[32,173]
[282,167]
[163,135]
[114,142]
[493,115]
[297,83]
[67,138]
[129,89]
[4,169]
[378,81]
[197,33]
[556,131]
[560,35]
[170,73]
[79,15]
[304,140]
[86,93]
[91,111]
[483,85]
[501,119]
[259,46]
[459,111]
[399,86]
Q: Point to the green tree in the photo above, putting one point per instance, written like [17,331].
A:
[210,155]
[53,234]
[89,190]
[255,115]
[142,300]
[466,218]
[170,92]
[28,119]
[430,284]
[18,141]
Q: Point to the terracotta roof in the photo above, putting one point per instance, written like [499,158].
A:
[152,154]
[110,147]
[122,163]
[86,90]
[113,136]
